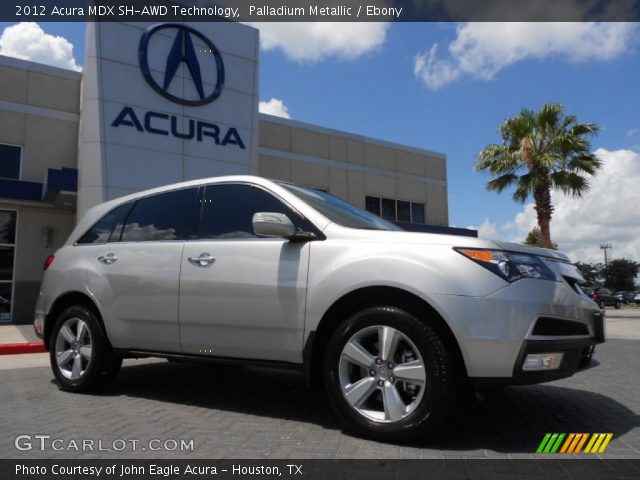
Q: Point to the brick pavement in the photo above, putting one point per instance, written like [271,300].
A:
[234,412]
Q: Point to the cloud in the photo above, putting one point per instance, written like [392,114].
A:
[631,132]
[312,42]
[28,41]
[609,213]
[481,50]
[487,229]
[275,107]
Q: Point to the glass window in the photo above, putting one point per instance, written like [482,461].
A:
[227,210]
[389,209]
[5,302]
[339,211]
[108,228]
[417,212]
[6,263]
[164,216]
[404,211]
[8,221]
[10,161]
[7,227]
[372,204]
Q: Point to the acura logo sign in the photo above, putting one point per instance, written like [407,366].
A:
[183,52]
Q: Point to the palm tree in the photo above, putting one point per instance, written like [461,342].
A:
[541,151]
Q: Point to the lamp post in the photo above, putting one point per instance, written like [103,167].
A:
[605,247]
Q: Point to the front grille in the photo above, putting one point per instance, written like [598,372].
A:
[546,326]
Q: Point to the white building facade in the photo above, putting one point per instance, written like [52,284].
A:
[162,103]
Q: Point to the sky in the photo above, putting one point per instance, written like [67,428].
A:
[446,87]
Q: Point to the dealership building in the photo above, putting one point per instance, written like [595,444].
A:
[158,104]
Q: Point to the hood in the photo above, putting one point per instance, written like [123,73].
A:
[391,236]
[542,252]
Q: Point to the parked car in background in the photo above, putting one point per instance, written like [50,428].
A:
[603,297]
[625,297]
[637,298]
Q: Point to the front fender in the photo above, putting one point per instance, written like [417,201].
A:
[427,271]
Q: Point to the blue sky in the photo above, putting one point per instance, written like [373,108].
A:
[455,104]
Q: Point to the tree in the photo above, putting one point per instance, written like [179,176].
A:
[592,272]
[534,239]
[620,274]
[541,151]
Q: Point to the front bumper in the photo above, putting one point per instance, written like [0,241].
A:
[577,354]
[492,331]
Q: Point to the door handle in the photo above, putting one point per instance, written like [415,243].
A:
[204,259]
[108,259]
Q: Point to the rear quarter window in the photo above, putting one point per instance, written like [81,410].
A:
[105,229]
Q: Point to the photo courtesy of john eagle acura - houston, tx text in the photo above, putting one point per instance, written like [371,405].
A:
[393,324]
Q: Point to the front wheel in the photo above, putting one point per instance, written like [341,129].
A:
[617,305]
[81,356]
[388,375]
[601,304]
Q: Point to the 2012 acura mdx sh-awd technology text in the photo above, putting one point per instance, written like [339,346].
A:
[244,269]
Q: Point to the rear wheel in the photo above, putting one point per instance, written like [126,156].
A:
[617,305]
[388,374]
[601,304]
[81,356]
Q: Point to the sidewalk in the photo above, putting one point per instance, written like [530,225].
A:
[18,340]
[17,334]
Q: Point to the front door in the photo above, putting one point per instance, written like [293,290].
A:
[242,295]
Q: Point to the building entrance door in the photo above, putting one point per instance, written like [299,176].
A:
[8,222]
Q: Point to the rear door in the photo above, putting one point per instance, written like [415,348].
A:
[246,298]
[135,275]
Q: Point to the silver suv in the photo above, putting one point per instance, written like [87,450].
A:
[244,269]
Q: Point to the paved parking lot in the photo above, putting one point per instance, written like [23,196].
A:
[233,412]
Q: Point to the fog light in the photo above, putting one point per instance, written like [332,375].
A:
[542,361]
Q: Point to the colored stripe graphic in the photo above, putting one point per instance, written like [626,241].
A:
[605,442]
[582,440]
[574,442]
[543,443]
[567,443]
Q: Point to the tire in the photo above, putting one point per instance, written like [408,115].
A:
[84,364]
[602,305]
[384,404]
[617,305]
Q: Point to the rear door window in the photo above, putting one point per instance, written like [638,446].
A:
[162,217]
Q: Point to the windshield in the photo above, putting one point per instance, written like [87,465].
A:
[338,211]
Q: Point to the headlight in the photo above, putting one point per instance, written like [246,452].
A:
[508,265]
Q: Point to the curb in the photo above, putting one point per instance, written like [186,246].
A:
[17,348]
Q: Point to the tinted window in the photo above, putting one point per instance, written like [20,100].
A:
[103,230]
[227,210]
[417,212]
[10,161]
[7,227]
[6,263]
[339,211]
[404,211]
[388,209]
[165,216]
[372,204]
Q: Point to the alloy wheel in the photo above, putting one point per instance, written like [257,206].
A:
[73,348]
[382,374]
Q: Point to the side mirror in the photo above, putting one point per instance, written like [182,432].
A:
[271,224]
